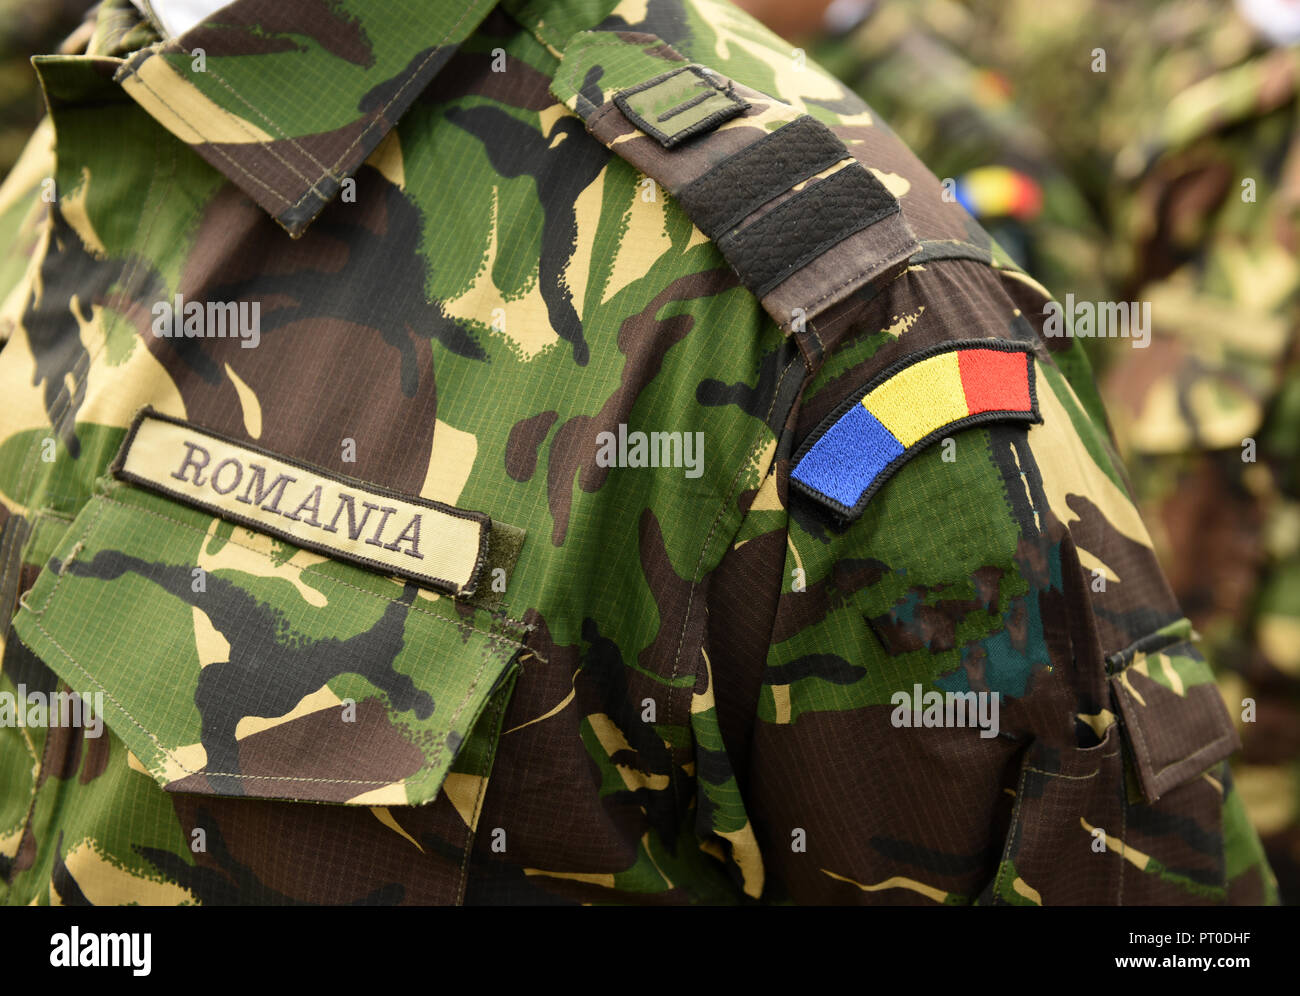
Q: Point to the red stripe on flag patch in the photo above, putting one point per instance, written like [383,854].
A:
[994,380]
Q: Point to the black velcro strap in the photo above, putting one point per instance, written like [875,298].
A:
[800,229]
[745,181]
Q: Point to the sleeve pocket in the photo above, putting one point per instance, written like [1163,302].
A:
[1175,723]
[1129,820]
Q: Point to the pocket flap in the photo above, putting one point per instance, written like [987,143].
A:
[232,662]
[1174,719]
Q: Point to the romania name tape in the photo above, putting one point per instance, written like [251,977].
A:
[410,537]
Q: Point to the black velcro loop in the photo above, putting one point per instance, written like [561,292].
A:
[743,182]
[800,229]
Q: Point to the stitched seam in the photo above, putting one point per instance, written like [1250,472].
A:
[419,780]
[81,539]
[471,831]
[1187,757]
[1017,818]
[604,112]
[1005,864]
[867,271]
[695,580]
[242,776]
[375,118]
[325,170]
[469,8]
[458,624]
[216,147]
[1145,752]
[821,346]
[1140,744]
[850,315]
[31,803]
[1071,778]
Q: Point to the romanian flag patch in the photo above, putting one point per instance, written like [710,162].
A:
[922,398]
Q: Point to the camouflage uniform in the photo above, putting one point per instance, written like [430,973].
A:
[489,249]
[1183,145]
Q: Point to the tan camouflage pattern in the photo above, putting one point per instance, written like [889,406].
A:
[1181,145]
[684,690]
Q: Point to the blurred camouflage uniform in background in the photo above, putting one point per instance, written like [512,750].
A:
[25,28]
[965,120]
[1163,138]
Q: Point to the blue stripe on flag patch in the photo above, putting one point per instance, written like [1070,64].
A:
[848,456]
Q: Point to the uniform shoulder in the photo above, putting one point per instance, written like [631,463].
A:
[809,196]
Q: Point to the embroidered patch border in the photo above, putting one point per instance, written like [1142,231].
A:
[719,103]
[859,446]
[454,540]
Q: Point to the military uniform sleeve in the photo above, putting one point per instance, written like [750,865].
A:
[939,661]
[977,686]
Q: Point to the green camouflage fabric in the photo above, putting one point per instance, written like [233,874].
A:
[669,684]
[1184,146]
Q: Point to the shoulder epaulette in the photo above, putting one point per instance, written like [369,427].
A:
[800,220]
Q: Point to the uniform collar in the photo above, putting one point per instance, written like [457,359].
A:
[288,98]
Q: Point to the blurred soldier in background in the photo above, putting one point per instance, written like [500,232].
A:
[1149,153]
[1206,189]
[964,117]
[27,27]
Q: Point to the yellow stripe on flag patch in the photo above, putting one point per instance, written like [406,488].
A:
[919,399]
[433,544]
